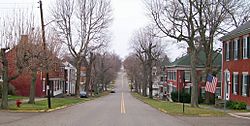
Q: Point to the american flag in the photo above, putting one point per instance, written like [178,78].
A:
[211,84]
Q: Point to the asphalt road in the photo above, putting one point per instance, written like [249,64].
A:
[118,109]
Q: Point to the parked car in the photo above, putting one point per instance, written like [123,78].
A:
[112,91]
[83,94]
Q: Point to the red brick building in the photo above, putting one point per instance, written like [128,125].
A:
[23,81]
[236,64]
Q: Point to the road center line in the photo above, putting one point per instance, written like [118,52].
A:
[123,110]
[122,81]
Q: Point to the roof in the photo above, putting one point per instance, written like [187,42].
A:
[185,61]
[241,30]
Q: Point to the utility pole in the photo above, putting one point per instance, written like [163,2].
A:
[44,47]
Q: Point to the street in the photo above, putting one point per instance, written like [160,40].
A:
[116,109]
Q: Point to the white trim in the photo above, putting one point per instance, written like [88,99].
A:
[243,84]
[236,73]
[226,85]
[235,83]
[245,73]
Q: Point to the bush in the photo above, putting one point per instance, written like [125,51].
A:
[186,97]
[236,105]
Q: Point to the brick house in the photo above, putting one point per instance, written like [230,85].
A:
[236,64]
[23,81]
[178,74]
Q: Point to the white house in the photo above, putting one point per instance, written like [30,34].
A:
[70,78]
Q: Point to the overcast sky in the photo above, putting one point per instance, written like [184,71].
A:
[129,16]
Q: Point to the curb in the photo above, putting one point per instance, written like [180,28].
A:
[239,116]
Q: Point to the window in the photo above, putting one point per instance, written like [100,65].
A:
[227,51]
[43,85]
[171,75]
[236,49]
[245,48]
[187,76]
[244,84]
[235,83]
[218,92]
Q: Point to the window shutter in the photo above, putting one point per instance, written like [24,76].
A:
[225,50]
[237,86]
[231,50]
[232,84]
[248,80]
[240,51]
[240,84]
[248,47]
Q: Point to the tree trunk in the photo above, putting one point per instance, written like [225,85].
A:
[136,86]
[194,93]
[145,77]
[150,81]
[33,87]
[209,96]
[4,104]
[78,76]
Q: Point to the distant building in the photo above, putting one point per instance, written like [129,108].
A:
[236,64]
[178,75]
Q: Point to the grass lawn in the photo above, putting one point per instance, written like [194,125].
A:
[55,103]
[42,105]
[176,108]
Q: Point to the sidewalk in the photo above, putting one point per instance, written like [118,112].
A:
[243,115]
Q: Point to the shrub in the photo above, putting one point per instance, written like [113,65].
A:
[236,105]
[186,97]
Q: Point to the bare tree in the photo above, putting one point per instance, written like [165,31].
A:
[11,30]
[148,49]
[134,71]
[81,23]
